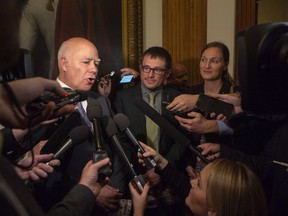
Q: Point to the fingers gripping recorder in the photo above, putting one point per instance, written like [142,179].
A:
[111,129]
[72,97]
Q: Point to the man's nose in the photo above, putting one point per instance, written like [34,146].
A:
[93,69]
[151,73]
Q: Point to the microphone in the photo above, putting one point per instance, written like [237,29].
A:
[76,136]
[60,133]
[72,97]
[111,129]
[94,112]
[123,124]
[167,127]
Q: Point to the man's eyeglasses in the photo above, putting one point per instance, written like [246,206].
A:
[158,71]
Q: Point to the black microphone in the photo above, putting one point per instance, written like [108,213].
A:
[76,136]
[111,129]
[94,113]
[167,127]
[123,124]
[60,132]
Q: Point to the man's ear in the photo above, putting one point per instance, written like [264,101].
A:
[168,73]
[63,64]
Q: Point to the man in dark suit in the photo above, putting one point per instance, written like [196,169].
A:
[78,62]
[154,69]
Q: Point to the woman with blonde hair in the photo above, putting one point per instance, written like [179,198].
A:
[223,188]
[226,188]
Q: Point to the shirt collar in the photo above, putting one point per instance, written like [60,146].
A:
[62,84]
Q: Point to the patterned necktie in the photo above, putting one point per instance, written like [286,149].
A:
[152,129]
[84,115]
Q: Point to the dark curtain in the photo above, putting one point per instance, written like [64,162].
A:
[100,21]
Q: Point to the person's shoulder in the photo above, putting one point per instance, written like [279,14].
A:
[171,90]
[195,89]
[228,87]
[129,91]
[94,95]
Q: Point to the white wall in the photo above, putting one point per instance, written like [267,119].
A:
[152,23]
[221,25]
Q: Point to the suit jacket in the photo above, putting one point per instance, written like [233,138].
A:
[124,103]
[270,136]
[74,160]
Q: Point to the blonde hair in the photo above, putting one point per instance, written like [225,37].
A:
[234,190]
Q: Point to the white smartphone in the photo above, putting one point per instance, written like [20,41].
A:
[126,79]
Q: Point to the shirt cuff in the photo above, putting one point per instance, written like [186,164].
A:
[224,129]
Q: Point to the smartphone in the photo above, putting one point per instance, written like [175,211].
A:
[126,79]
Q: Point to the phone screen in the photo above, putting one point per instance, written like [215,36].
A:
[126,79]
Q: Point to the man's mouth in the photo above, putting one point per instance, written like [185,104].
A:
[150,80]
[91,80]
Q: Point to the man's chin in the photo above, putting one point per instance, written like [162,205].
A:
[87,87]
[150,86]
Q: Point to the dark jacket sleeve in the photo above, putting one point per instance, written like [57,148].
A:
[79,201]
[258,163]
[175,179]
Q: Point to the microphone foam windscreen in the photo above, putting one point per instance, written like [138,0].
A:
[79,134]
[121,121]
[109,126]
[94,109]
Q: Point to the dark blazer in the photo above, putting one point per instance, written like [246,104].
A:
[124,103]
[69,173]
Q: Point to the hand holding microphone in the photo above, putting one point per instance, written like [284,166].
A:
[111,129]
[167,127]
[123,124]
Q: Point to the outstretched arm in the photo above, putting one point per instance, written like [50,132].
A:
[15,95]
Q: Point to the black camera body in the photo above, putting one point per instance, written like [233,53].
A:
[262,52]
